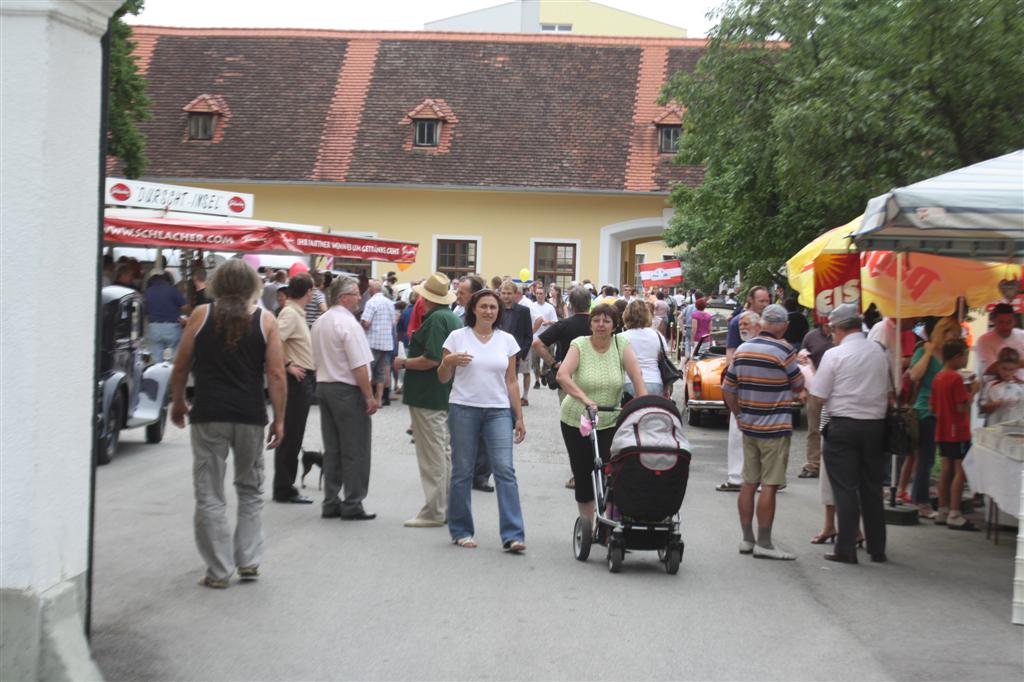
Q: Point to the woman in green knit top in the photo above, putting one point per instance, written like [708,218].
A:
[592,374]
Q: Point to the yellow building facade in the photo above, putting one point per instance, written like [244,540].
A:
[506,227]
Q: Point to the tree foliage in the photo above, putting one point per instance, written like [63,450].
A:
[860,96]
[127,103]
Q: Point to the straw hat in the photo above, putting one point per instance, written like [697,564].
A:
[435,289]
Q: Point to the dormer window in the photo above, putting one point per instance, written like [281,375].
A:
[427,132]
[668,139]
[669,125]
[200,126]
[208,117]
[432,123]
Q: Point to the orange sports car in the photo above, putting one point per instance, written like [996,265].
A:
[704,369]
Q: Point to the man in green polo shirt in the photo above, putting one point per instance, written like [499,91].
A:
[427,399]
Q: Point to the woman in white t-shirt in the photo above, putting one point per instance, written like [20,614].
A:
[646,343]
[484,401]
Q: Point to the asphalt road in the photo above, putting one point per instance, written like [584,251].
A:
[375,600]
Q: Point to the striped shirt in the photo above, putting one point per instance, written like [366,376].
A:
[764,376]
[313,311]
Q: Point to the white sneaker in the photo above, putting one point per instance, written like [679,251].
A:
[746,547]
[417,522]
[941,516]
[773,553]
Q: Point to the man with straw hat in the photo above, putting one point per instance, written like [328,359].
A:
[427,398]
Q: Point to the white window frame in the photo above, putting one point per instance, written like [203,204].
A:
[553,240]
[416,130]
[555,28]
[194,117]
[662,129]
[434,238]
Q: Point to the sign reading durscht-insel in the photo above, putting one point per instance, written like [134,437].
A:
[137,194]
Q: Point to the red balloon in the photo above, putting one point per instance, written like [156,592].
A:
[296,268]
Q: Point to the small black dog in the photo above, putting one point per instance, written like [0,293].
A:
[310,458]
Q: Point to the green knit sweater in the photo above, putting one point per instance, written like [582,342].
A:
[600,376]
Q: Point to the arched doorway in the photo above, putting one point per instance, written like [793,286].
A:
[617,261]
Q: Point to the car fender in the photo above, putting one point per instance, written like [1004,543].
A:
[106,390]
[153,391]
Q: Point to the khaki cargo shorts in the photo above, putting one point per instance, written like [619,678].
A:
[765,460]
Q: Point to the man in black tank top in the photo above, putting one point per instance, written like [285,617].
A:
[228,346]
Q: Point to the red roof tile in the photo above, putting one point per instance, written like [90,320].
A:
[342,123]
[532,110]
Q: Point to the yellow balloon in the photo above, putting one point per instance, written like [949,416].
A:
[524,275]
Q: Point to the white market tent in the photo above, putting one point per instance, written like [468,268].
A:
[974,212]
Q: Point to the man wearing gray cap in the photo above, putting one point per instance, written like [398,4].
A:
[852,382]
[758,388]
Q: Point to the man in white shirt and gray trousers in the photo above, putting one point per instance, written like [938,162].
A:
[853,384]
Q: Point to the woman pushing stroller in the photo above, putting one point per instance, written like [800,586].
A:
[592,375]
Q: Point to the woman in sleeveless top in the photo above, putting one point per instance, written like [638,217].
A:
[592,375]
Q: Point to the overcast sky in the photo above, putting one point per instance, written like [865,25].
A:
[394,15]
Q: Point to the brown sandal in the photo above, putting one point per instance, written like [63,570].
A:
[207,581]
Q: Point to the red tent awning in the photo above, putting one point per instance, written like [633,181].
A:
[254,238]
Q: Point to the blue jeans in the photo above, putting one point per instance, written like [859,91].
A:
[652,388]
[467,425]
[925,460]
[161,335]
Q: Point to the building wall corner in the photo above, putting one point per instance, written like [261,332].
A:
[43,635]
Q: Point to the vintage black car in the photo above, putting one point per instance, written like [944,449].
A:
[132,391]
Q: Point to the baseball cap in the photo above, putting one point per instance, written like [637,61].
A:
[846,312]
[775,314]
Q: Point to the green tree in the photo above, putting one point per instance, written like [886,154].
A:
[127,103]
[802,111]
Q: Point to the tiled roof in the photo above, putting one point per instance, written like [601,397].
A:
[532,111]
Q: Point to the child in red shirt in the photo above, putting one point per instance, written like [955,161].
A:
[951,404]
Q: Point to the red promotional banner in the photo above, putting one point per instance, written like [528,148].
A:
[836,281]
[174,233]
[664,273]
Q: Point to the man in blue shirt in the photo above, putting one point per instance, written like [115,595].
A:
[164,307]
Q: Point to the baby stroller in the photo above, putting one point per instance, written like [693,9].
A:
[639,492]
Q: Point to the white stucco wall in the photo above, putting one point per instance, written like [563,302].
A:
[51,82]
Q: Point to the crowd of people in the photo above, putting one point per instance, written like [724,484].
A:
[464,354]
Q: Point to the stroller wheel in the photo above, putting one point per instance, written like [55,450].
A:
[616,553]
[673,557]
[582,538]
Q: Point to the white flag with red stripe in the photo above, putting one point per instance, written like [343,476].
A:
[665,273]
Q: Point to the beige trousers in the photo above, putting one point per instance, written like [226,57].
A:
[211,442]
[433,452]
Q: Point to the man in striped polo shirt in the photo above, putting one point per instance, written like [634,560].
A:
[759,387]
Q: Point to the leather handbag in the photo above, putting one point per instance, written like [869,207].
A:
[669,372]
[551,376]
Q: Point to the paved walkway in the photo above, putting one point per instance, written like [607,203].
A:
[374,600]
